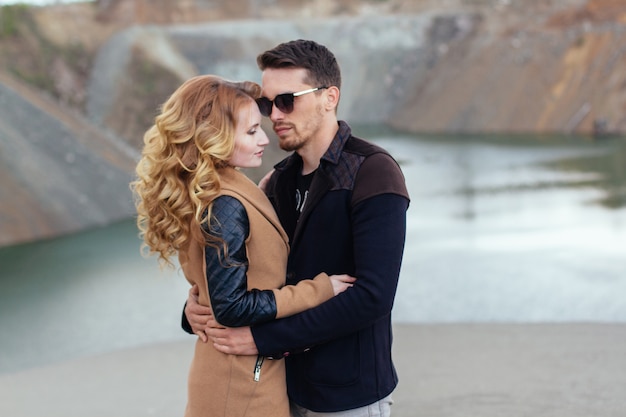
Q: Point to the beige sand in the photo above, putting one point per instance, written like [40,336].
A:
[479,370]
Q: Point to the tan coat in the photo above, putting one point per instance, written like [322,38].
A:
[223,385]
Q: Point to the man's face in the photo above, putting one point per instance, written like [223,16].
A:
[297,128]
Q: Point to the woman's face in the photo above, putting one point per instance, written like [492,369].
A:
[250,139]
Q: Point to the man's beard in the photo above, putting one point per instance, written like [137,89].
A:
[298,138]
[293,143]
[289,146]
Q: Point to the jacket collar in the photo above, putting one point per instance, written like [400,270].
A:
[237,183]
[333,152]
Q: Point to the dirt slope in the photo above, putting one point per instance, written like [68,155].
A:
[485,66]
[528,69]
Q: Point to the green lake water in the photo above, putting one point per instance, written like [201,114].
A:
[500,229]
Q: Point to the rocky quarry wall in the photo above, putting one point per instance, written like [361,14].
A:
[450,66]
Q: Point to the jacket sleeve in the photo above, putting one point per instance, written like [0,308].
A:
[378,233]
[184,323]
[308,293]
[226,273]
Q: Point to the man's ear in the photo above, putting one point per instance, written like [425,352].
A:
[332,98]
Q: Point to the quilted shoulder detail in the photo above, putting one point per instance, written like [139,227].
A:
[229,221]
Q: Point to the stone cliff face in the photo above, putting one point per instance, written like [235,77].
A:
[59,173]
[374,54]
[562,72]
[457,66]
[435,66]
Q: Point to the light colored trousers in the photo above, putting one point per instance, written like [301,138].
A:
[380,408]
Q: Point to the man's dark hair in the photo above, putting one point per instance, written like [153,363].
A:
[320,63]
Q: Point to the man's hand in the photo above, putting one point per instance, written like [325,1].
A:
[232,340]
[235,341]
[264,180]
[197,314]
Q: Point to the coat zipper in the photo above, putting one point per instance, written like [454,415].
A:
[257,368]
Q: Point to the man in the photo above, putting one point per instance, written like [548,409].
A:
[343,203]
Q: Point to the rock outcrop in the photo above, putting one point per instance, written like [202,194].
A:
[60,174]
[87,79]
[563,71]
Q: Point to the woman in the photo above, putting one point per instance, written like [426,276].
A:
[193,202]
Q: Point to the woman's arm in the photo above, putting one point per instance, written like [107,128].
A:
[226,273]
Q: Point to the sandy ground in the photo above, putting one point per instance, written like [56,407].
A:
[481,370]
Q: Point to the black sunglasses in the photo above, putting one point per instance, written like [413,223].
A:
[283,102]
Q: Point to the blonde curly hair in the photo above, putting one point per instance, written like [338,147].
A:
[177,178]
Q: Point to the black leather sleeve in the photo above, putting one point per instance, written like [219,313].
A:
[226,272]
[184,323]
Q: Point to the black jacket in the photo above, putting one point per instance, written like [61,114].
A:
[354,222]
